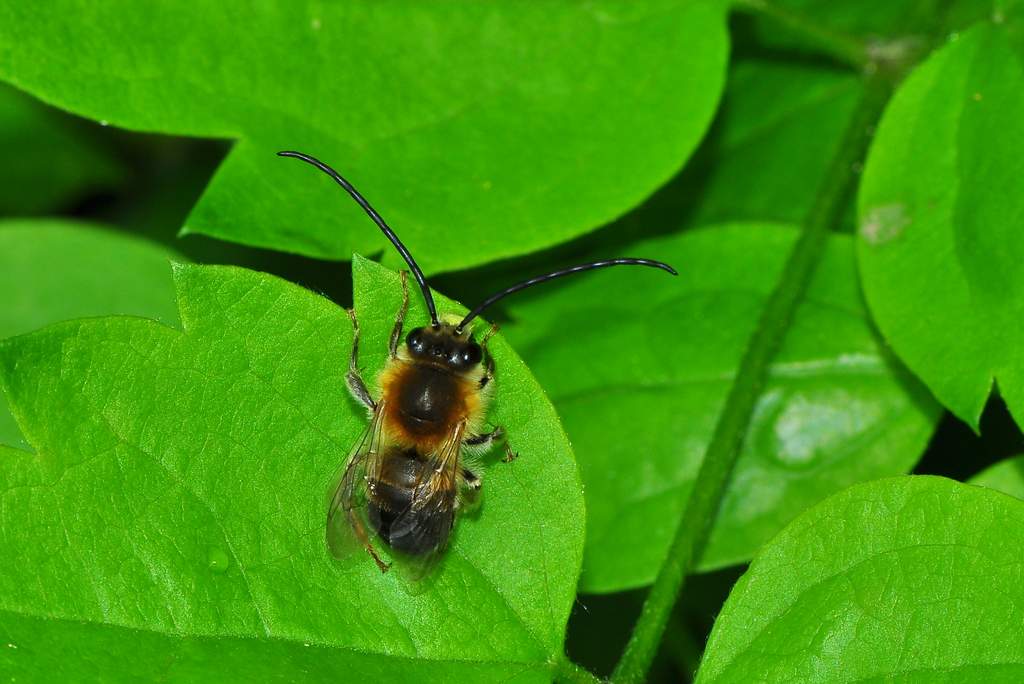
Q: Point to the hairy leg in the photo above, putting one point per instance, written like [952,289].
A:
[487,440]
[353,378]
[488,359]
[396,332]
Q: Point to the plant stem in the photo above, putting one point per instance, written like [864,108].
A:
[845,48]
[722,451]
[572,673]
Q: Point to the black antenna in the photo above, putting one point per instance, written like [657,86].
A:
[372,213]
[558,274]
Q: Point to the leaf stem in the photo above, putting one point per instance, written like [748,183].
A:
[722,451]
[846,48]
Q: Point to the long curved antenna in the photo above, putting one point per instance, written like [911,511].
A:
[558,274]
[372,213]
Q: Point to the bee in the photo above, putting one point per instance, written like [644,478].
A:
[408,476]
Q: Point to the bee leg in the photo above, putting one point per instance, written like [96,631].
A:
[488,359]
[487,439]
[364,538]
[471,479]
[355,382]
[469,493]
[396,332]
[488,371]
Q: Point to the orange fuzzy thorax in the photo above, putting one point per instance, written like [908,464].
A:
[459,399]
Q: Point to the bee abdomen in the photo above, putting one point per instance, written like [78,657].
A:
[417,536]
[391,497]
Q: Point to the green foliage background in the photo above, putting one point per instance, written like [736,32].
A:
[173,343]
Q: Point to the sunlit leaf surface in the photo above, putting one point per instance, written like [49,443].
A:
[172,520]
[941,218]
[638,364]
[482,130]
[913,579]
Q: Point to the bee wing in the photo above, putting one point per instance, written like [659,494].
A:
[346,524]
[433,504]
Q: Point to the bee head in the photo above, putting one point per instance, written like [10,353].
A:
[444,345]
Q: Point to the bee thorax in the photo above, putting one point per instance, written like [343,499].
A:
[425,402]
[429,395]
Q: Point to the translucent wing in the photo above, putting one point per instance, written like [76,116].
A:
[431,513]
[346,524]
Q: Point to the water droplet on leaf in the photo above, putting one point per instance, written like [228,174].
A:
[218,559]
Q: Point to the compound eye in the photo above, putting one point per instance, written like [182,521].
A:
[472,354]
[414,341]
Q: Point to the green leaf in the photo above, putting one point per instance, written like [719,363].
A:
[1007,476]
[912,579]
[638,365]
[54,270]
[47,159]
[941,220]
[780,125]
[872,21]
[479,130]
[878,30]
[862,18]
[171,524]
[843,32]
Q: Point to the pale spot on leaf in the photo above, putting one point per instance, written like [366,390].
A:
[884,224]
